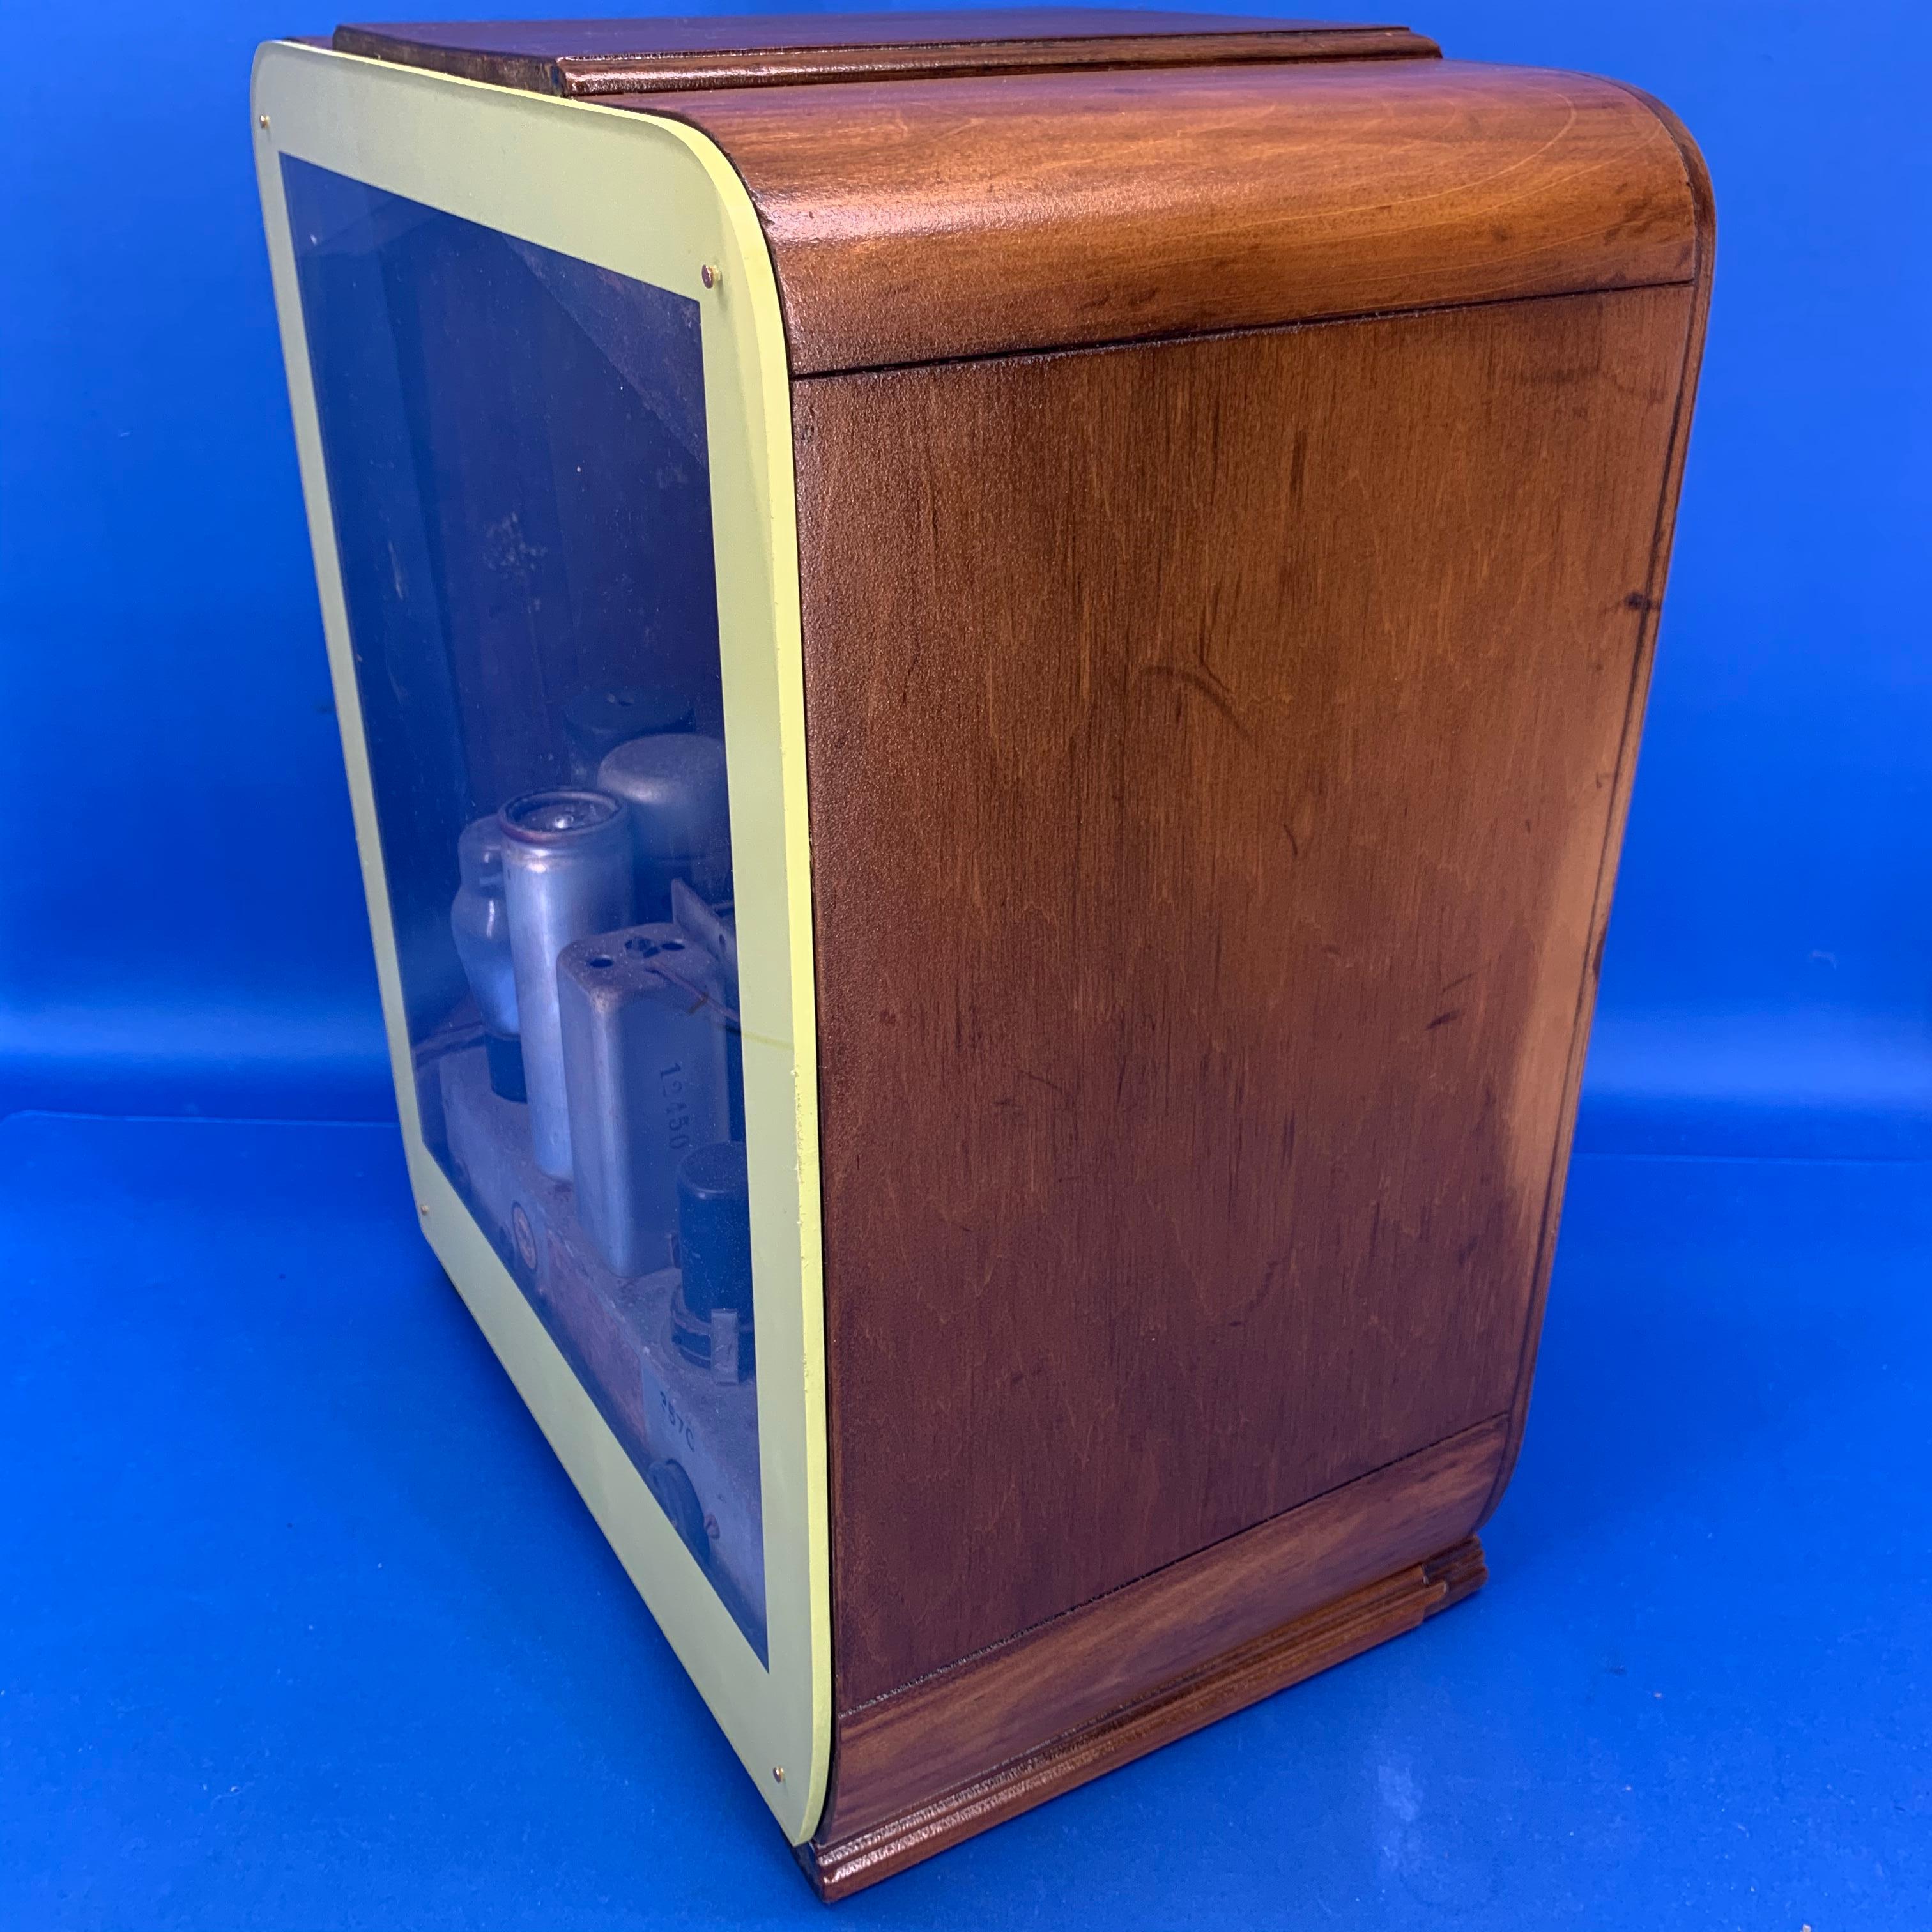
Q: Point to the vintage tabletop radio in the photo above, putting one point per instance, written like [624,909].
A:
[990,665]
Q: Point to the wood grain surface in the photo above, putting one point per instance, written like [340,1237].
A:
[915,219]
[907,1750]
[839,1865]
[1214,749]
[581,58]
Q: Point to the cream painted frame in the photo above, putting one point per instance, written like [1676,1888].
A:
[654,200]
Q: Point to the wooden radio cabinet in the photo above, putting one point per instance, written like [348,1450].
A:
[1181,505]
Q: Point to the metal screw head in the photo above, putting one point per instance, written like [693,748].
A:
[711,275]
[422,1208]
[262,121]
[778,1772]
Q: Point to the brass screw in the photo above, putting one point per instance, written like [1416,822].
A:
[262,121]
[711,275]
[777,1771]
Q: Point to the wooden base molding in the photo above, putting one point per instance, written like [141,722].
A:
[1104,1683]
[1296,1651]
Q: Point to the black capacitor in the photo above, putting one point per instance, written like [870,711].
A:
[598,722]
[504,1055]
[677,1497]
[714,1230]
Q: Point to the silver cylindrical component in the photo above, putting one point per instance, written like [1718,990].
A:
[672,787]
[479,923]
[644,1039]
[567,872]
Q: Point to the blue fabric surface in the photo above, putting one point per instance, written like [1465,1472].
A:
[302,1626]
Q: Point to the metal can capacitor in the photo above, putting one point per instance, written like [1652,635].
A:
[673,790]
[645,1036]
[567,872]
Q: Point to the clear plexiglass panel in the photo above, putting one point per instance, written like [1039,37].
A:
[514,443]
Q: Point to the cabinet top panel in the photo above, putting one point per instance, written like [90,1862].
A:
[920,219]
[579,57]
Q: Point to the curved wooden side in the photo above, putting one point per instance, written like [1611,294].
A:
[920,219]
[1697,177]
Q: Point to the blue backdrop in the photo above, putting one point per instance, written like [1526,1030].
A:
[182,925]
[299,1623]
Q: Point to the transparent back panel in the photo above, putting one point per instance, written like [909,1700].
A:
[515,447]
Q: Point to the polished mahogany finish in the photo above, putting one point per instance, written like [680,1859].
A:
[918,220]
[1253,788]
[1343,1629]
[1235,497]
[913,1749]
